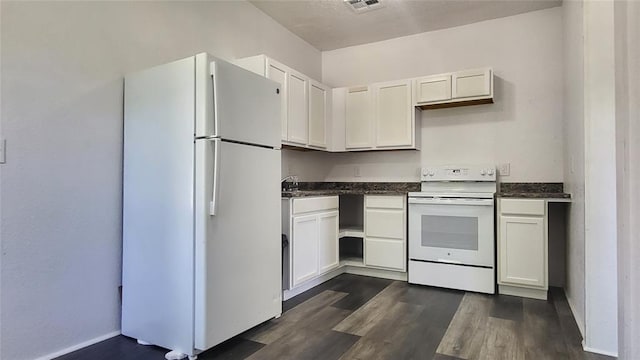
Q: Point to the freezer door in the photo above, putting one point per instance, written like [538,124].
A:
[238,242]
[158,226]
[235,104]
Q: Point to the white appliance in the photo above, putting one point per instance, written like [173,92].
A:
[451,228]
[201,204]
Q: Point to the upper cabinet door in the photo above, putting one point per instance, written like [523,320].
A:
[394,114]
[318,114]
[471,83]
[433,89]
[297,113]
[358,118]
[278,73]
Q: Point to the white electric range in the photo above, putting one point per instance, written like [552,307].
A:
[451,228]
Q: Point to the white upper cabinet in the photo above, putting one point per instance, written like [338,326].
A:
[278,73]
[460,88]
[318,105]
[359,118]
[297,113]
[471,83]
[305,108]
[433,89]
[393,114]
[380,116]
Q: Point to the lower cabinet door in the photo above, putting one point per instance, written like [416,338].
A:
[328,252]
[522,251]
[304,246]
[386,253]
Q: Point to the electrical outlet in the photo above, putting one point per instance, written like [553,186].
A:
[356,171]
[504,169]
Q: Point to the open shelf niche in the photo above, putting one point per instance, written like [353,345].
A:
[351,230]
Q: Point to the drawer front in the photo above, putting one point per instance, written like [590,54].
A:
[384,253]
[522,206]
[384,201]
[307,205]
[385,223]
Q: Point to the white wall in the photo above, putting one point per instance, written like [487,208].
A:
[590,157]
[523,127]
[62,69]
[574,154]
[627,28]
[601,301]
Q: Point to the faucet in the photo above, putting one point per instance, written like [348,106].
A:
[294,182]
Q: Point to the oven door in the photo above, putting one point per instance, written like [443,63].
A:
[452,230]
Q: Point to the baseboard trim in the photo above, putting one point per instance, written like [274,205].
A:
[79,346]
[288,294]
[540,294]
[597,351]
[379,273]
[344,269]
[580,322]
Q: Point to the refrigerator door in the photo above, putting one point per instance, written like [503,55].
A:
[157,228]
[235,104]
[238,250]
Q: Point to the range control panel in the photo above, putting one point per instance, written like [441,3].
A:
[459,173]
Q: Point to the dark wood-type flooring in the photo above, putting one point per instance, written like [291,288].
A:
[357,317]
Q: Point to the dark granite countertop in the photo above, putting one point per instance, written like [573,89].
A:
[532,191]
[307,189]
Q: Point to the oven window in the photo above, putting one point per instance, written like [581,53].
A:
[450,232]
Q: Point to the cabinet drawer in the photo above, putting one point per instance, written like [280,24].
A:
[384,202]
[315,204]
[522,206]
[384,253]
[384,223]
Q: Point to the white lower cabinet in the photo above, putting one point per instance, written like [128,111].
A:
[328,250]
[385,242]
[304,247]
[522,248]
[385,253]
[311,225]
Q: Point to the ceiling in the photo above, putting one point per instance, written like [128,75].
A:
[331,24]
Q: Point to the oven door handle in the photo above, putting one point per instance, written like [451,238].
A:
[448,201]
[448,261]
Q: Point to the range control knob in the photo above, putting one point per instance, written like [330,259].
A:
[490,172]
[431,173]
[482,172]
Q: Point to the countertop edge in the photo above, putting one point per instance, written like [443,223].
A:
[318,193]
[557,197]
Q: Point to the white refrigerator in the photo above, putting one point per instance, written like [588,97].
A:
[201,204]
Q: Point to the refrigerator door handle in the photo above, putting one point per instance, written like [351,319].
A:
[216,176]
[214,99]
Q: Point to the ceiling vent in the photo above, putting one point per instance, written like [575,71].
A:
[360,6]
